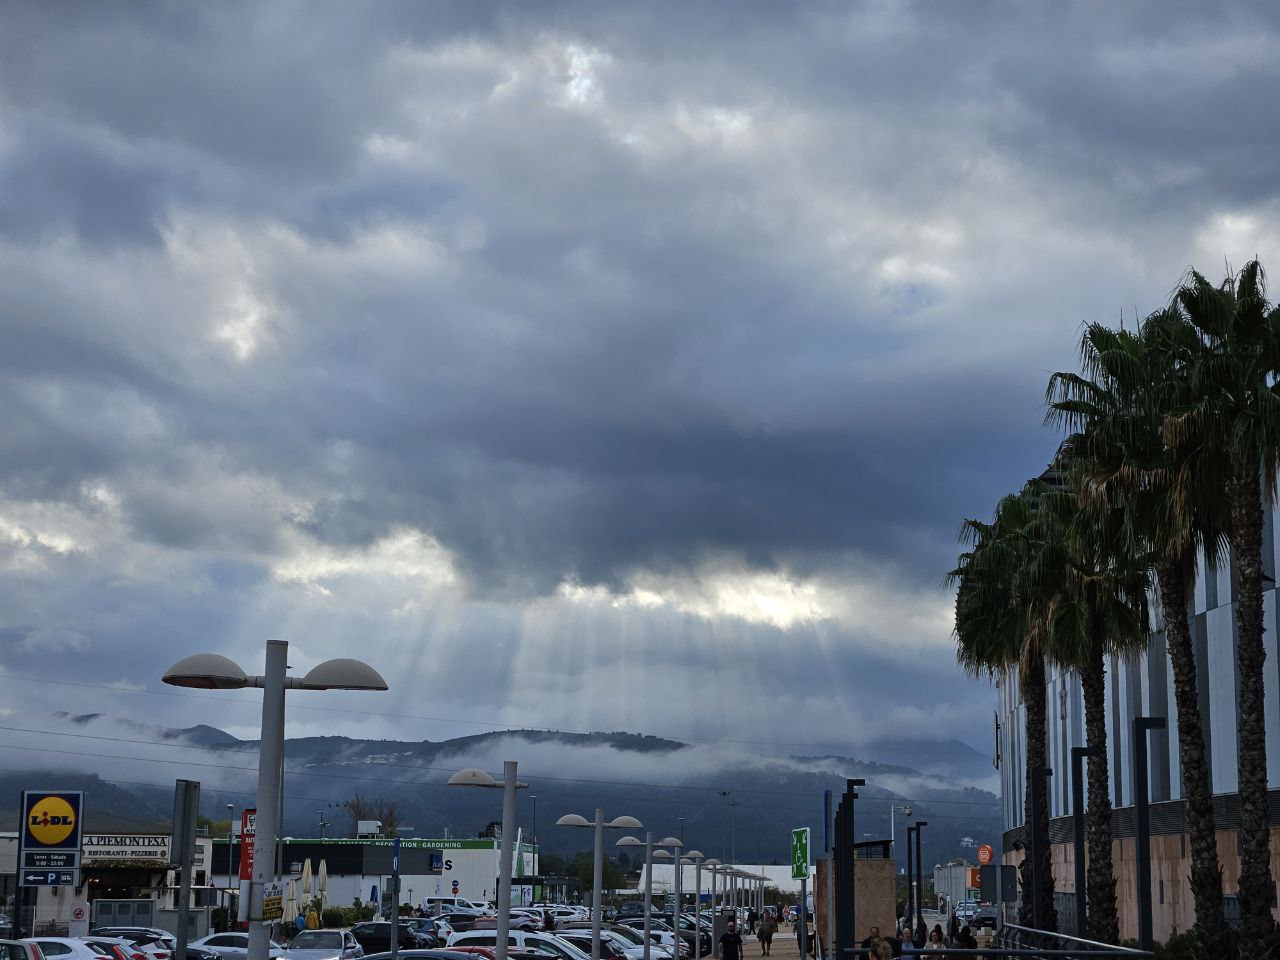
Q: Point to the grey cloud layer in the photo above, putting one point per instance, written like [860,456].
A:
[586,293]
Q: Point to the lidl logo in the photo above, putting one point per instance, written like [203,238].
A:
[51,818]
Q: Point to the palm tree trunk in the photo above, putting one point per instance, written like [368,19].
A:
[1206,873]
[1033,696]
[1104,922]
[1256,886]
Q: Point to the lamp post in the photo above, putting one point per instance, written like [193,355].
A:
[911,880]
[231,846]
[647,843]
[598,824]
[696,857]
[212,671]
[1141,727]
[893,810]
[710,864]
[919,918]
[472,777]
[669,848]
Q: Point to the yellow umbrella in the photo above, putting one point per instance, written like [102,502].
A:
[322,879]
[306,879]
[290,904]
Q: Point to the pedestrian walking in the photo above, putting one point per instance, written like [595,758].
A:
[752,919]
[934,943]
[765,931]
[953,929]
[730,947]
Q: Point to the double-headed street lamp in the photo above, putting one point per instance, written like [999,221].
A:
[647,843]
[211,671]
[669,849]
[473,777]
[598,824]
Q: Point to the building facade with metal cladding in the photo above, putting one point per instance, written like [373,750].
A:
[1141,684]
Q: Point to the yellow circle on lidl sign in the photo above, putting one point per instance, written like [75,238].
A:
[50,820]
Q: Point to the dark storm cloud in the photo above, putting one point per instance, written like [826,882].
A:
[397,320]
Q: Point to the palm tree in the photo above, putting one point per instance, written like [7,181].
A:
[997,630]
[1228,414]
[1101,609]
[1169,505]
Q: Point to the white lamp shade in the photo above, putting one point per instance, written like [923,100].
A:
[661,855]
[713,862]
[625,823]
[343,674]
[670,842]
[206,671]
[630,842]
[694,854]
[473,777]
[574,820]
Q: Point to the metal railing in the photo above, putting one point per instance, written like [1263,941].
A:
[1024,943]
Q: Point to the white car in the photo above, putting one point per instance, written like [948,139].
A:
[521,939]
[68,948]
[118,947]
[232,945]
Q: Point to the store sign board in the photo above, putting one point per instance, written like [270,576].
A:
[108,848]
[248,827]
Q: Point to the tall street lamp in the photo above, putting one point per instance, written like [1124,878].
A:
[893,810]
[647,843]
[698,858]
[670,850]
[919,919]
[710,863]
[472,777]
[231,846]
[598,824]
[211,671]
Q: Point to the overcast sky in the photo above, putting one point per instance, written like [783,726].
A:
[582,366]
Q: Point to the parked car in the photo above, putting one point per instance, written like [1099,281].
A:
[434,954]
[517,921]
[984,916]
[612,946]
[231,945]
[68,948]
[325,945]
[469,952]
[633,938]
[423,930]
[524,940]
[19,950]
[458,921]
[661,933]
[374,936]
[117,947]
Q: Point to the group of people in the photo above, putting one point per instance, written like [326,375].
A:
[907,942]
[762,926]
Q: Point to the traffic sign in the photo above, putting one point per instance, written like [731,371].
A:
[985,853]
[800,854]
[272,902]
[49,878]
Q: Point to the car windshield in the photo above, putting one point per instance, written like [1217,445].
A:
[632,936]
[316,940]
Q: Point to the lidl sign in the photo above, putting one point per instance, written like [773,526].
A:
[49,845]
[51,821]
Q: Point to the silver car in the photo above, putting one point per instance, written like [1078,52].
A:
[231,945]
[323,945]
